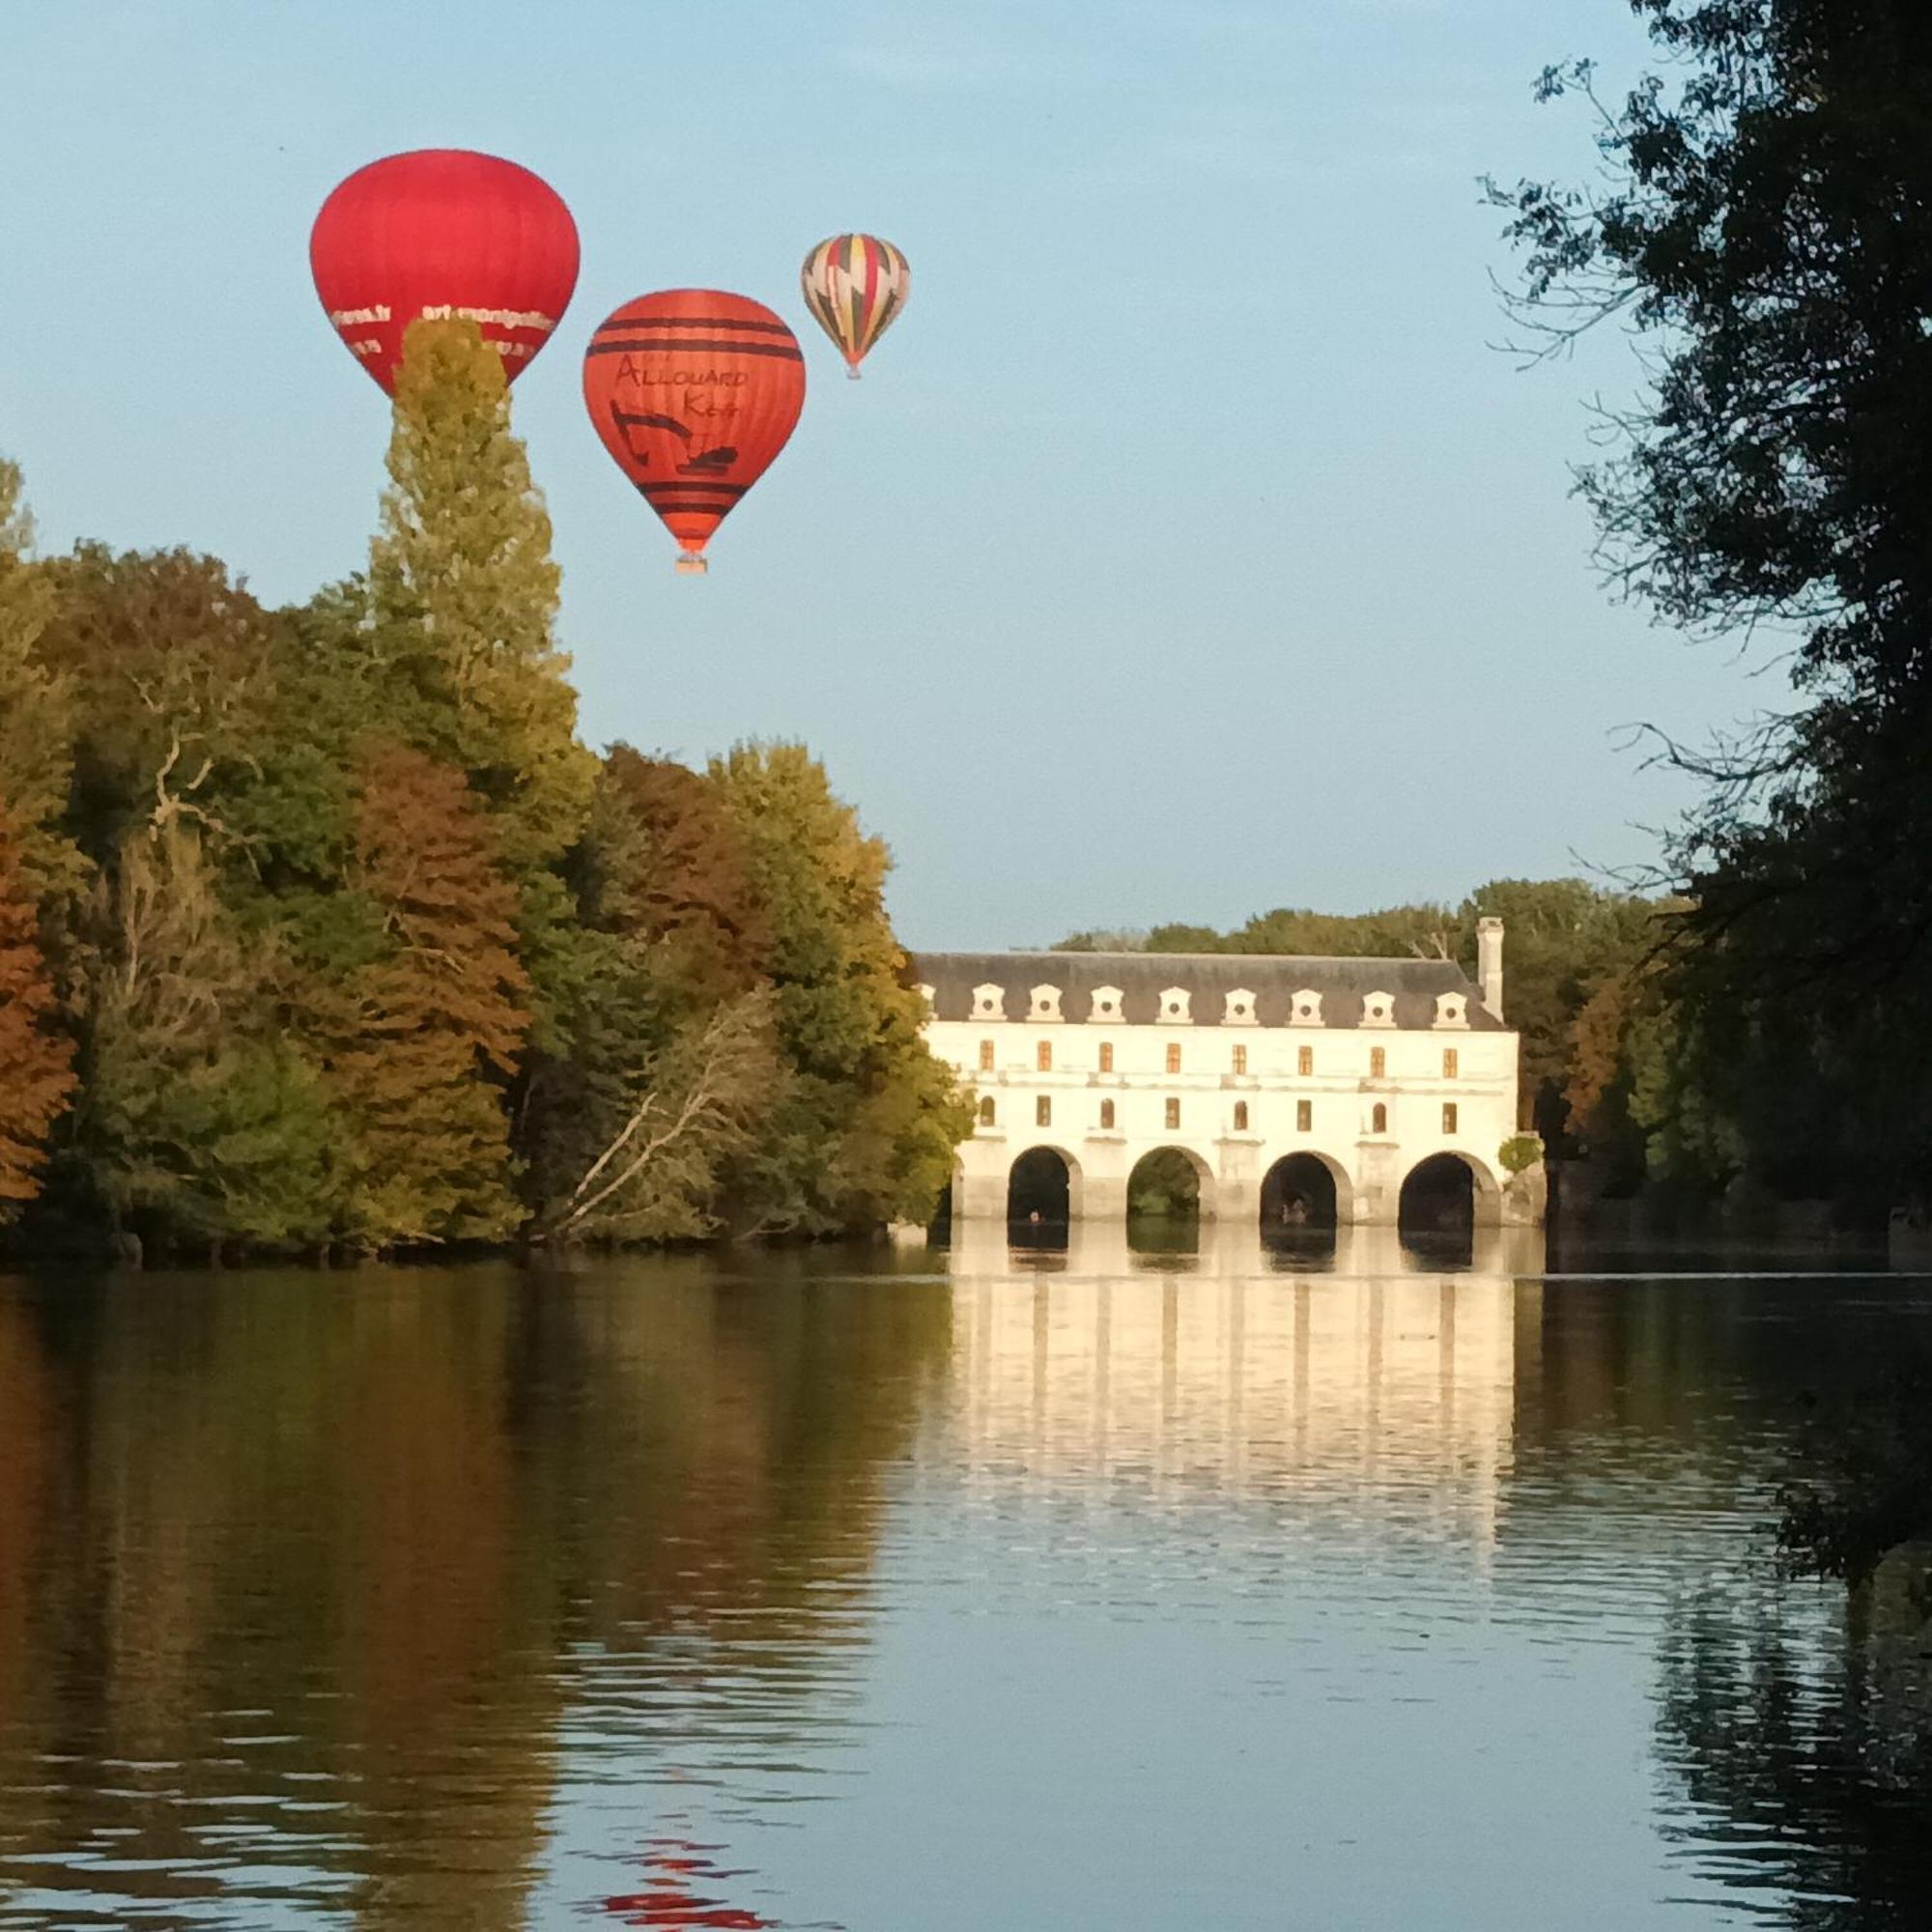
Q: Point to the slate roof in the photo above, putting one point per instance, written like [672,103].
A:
[1273,978]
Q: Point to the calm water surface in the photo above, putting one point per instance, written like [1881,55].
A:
[989,1591]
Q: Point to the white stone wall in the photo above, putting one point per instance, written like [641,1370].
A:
[1342,1091]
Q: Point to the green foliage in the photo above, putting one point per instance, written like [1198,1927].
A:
[1519,1152]
[196,1122]
[1763,220]
[363,949]
[866,1120]
[1164,1186]
[1862,1488]
[462,598]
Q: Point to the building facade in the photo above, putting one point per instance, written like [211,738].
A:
[1296,1089]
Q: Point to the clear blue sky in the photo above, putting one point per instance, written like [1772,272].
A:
[1185,551]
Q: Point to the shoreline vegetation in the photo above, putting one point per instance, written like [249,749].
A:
[322,933]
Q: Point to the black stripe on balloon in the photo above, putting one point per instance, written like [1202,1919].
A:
[687,486]
[693,321]
[789,352]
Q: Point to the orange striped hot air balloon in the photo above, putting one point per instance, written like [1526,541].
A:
[693,392]
[855,285]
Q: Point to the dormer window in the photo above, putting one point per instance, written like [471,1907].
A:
[1106,1003]
[1241,1008]
[1379,1009]
[1305,1008]
[989,1003]
[1452,1010]
[1045,1004]
[1174,1004]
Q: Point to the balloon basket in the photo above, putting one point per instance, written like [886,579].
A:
[690,566]
[851,373]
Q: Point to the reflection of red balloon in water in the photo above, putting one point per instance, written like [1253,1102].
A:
[441,232]
[669,1903]
[693,392]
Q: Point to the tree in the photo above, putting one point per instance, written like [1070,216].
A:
[199,1122]
[462,598]
[865,1128]
[36,721]
[36,1059]
[666,936]
[697,1105]
[430,1025]
[1763,224]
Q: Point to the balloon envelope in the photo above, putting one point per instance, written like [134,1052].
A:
[693,392]
[855,285]
[439,232]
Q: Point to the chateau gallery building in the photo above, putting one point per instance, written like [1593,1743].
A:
[1300,1090]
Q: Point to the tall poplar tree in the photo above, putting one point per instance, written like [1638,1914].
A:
[463,596]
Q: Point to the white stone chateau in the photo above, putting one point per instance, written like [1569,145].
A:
[1301,1091]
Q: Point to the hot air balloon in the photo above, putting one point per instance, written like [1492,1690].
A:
[443,233]
[693,392]
[855,285]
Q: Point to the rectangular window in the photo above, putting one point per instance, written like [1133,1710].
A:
[1304,1116]
[1305,1060]
[1106,1056]
[1173,1113]
[1240,1060]
[1378,1063]
[987,1111]
[1173,1058]
[1042,1112]
[1240,1117]
[1045,1056]
[1448,1117]
[1106,1115]
[1449,1063]
[985,1056]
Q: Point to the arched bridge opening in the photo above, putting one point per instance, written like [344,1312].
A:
[1042,1195]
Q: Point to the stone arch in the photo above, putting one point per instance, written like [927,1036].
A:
[1195,1163]
[1306,1189]
[1043,1182]
[1448,1193]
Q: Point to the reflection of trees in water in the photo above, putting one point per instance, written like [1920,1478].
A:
[1810,1749]
[354,1541]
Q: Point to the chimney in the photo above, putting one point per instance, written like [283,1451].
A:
[1490,964]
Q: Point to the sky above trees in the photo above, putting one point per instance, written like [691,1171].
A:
[1187,549]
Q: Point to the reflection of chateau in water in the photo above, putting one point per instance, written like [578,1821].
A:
[1095,1367]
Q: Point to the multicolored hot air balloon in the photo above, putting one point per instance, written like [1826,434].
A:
[855,285]
[440,233]
[693,392]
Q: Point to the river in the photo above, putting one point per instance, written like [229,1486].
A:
[906,1591]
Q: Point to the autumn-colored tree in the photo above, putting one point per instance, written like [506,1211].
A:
[463,599]
[667,1049]
[865,1128]
[37,716]
[430,1025]
[35,1058]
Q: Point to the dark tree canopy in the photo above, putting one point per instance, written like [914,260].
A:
[1762,223]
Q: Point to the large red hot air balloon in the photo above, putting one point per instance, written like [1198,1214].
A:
[439,232]
[693,392]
